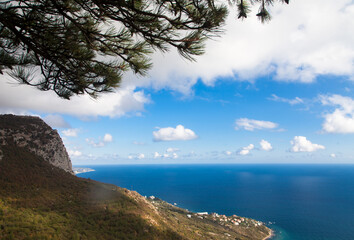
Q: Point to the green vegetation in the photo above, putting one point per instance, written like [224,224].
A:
[40,201]
[85,46]
[210,226]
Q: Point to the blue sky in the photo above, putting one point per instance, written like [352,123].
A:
[279,93]
[211,113]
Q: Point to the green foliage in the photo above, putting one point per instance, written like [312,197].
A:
[39,201]
[80,46]
[85,46]
[244,8]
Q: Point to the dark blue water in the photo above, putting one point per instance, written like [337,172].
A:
[305,202]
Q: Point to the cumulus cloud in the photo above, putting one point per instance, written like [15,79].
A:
[293,101]
[168,154]
[172,155]
[341,120]
[55,121]
[74,153]
[71,132]
[251,124]
[265,145]
[301,144]
[174,134]
[157,155]
[333,155]
[136,156]
[297,45]
[246,150]
[19,98]
[107,138]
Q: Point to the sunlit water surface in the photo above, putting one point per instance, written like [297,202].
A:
[300,202]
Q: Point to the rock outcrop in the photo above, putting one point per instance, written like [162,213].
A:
[35,135]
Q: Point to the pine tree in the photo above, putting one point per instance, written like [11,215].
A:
[84,46]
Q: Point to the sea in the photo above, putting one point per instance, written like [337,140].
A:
[299,202]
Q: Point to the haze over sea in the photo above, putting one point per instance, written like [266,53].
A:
[302,202]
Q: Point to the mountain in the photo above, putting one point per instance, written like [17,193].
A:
[41,201]
[36,136]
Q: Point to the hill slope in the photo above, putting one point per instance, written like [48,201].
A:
[40,198]
[40,201]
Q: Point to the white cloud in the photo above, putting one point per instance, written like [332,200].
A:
[71,132]
[265,145]
[251,124]
[246,150]
[54,120]
[170,150]
[301,144]
[157,155]
[93,143]
[18,98]
[74,153]
[137,156]
[228,153]
[293,101]
[107,138]
[170,153]
[173,155]
[333,155]
[174,134]
[304,39]
[341,120]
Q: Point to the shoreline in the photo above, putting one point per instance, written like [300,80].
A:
[79,170]
[230,226]
[270,235]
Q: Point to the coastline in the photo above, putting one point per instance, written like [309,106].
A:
[270,235]
[235,227]
[197,215]
[78,170]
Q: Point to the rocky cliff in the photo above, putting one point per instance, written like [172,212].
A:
[35,135]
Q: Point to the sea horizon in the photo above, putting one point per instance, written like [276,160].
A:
[142,164]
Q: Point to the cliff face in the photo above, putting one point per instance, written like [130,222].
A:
[35,135]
